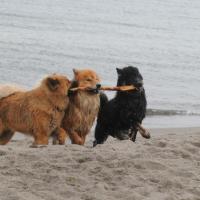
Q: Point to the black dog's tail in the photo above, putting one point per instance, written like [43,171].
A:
[103,101]
[99,130]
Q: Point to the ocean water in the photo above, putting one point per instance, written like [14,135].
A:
[161,38]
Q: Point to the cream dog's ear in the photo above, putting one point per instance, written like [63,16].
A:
[52,83]
[75,71]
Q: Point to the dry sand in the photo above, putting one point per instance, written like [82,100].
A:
[167,167]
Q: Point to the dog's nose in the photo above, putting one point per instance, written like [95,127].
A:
[98,85]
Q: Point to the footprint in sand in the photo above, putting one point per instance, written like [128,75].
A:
[152,165]
[161,144]
[196,144]
[155,165]
[2,153]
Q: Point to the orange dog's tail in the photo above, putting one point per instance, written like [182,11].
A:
[6,90]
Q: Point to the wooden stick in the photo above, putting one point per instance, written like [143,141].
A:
[116,88]
[79,88]
[119,88]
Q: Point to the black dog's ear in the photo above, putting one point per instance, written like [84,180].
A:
[52,83]
[119,71]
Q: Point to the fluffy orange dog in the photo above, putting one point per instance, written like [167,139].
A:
[83,106]
[38,112]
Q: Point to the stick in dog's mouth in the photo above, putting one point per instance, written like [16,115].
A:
[108,88]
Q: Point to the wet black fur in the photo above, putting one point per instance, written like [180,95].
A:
[119,116]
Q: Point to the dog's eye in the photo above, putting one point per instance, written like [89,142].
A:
[88,79]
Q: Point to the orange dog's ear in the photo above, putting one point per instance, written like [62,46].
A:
[52,83]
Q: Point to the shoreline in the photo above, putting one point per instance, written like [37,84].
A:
[174,121]
[176,130]
[153,131]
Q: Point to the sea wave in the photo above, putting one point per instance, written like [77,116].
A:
[161,112]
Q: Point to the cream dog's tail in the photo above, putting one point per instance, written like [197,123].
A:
[7,89]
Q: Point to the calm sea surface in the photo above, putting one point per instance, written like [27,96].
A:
[161,38]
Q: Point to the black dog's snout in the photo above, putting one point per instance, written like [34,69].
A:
[139,83]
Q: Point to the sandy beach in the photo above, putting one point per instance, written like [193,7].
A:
[165,167]
[161,38]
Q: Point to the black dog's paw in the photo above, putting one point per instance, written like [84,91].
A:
[95,143]
[122,135]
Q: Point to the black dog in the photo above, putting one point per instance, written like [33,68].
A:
[120,116]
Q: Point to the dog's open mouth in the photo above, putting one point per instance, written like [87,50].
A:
[138,88]
[94,90]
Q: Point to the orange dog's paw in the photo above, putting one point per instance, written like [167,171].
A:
[37,146]
[60,137]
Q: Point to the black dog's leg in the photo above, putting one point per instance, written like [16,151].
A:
[100,135]
[133,134]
